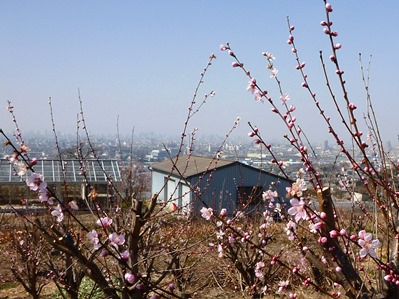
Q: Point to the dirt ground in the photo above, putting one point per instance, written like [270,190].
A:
[13,291]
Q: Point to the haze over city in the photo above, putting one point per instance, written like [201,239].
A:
[141,61]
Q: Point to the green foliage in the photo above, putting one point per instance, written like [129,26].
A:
[88,290]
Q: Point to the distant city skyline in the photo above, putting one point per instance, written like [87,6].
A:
[141,61]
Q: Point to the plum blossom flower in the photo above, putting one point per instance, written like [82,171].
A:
[367,244]
[104,222]
[43,196]
[21,168]
[290,229]
[220,250]
[57,212]
[125,255]
[297,209]
[73,205]
[283,285]
[223,212]
[251,85]
[258,96]
[116,239]
[206,213]
[36,182]
[259,270]
[269,195]
[284,98]
[269,56]
[314,227]
[130,277]
[274,73]
[93,238]
[297,188]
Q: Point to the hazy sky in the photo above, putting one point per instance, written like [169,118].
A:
[141,60]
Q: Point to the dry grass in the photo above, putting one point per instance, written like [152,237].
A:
[205,275]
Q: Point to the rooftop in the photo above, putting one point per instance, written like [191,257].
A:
[190,165]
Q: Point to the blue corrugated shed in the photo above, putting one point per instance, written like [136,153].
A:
[194,181]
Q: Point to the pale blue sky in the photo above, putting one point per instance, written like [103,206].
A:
[141,60]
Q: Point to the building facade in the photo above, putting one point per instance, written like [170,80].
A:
[192,182]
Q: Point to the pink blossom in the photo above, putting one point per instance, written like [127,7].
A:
[274,73]
[125,255]
[57,212]
[116,239]
[334,233]
[297,209]
[251,86]
[223,212]
[130,277]
[104,253]
[388,277]
[284,98]
[36,182]
[290,229]
[297,188]
[72,204]
[258,96]
[269,56]
[104,222]
[352,106]
[313,227]
[269,195]
[93,237]
[24,148]
[323,240]
[21,168]
[367,244]
[43,196]
[33,162]
[206,213]
[220,250]
[259,270]
[329,7]
[283,285]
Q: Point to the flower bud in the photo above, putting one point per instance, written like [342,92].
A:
[334,233]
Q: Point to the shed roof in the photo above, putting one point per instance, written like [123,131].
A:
[52,170]
[189,166]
